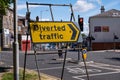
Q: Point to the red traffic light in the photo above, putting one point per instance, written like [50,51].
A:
[80,21]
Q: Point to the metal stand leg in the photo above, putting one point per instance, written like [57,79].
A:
[28,18]
[25,58]
[63,65]
[78,53]
[37,65]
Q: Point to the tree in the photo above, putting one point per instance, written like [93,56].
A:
[3,5]
[84,35]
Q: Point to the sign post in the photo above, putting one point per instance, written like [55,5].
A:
[15,45]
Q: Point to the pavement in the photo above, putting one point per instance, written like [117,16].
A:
[6,68]
[49,77]
[107,51]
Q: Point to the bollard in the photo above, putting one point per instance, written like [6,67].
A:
[84,52]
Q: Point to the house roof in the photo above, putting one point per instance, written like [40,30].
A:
[21,17]
[109,13]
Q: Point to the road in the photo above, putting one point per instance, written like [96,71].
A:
[101,65]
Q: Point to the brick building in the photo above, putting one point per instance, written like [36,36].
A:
[7,35]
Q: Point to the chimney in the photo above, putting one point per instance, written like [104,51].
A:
[37,18]
[102,9]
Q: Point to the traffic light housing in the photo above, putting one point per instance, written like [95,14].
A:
[116,37]
[80,22]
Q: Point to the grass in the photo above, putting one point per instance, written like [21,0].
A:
[28,76]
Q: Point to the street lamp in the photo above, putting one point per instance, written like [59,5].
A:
[41,14]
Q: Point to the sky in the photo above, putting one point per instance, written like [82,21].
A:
[84,8]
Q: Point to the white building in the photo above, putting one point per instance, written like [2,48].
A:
[105,28]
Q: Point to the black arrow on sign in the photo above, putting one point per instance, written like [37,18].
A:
[74,31]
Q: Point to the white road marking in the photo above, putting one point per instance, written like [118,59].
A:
[61,67]
[90,63]
[77,77]
[82,70]
[99,74]
[95,72]
[105,67]
[102,66]
[55,68]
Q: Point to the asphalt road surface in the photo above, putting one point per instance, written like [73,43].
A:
[101,65]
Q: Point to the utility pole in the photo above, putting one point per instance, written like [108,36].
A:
[15,45]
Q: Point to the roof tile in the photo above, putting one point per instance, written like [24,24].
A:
[110,13]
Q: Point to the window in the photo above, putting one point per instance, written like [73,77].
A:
[101,29]
[97,29]
[19,28]
[105,29]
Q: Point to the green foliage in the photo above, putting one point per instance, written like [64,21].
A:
[3,5]
[7,76]
[83,35]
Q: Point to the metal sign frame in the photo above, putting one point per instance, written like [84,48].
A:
[28,18]
[28,32]
[50,6]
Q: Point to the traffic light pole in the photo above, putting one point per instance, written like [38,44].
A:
[15,46]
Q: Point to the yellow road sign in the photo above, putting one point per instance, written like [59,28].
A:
[46,32]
